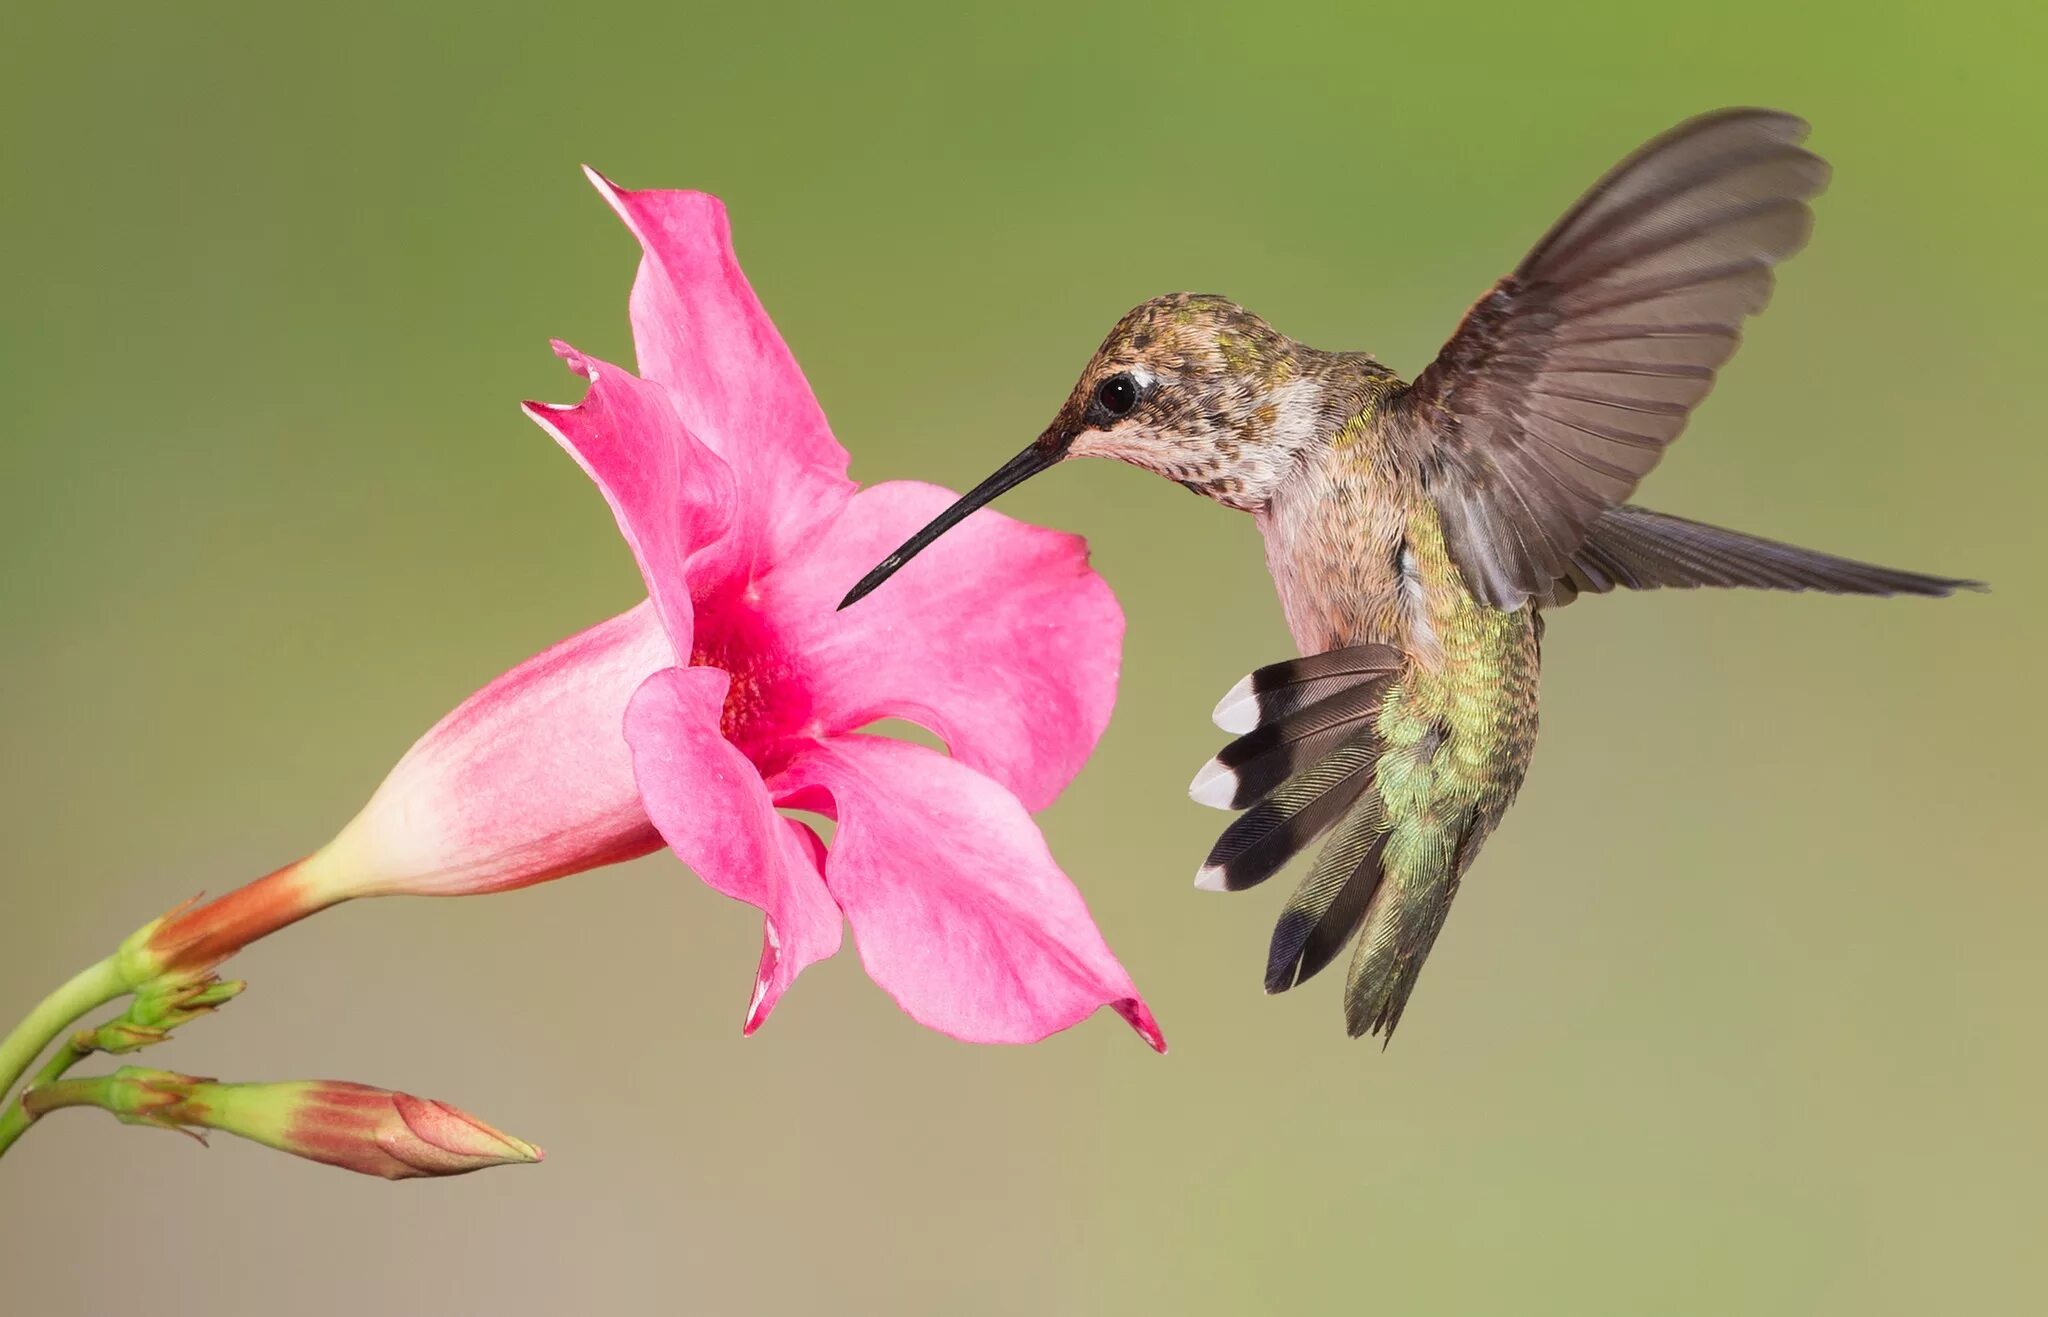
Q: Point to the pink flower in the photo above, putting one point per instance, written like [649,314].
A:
[735,691]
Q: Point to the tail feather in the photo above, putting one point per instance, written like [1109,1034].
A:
[1634,548]
[1326,910]
[1425,767]
[1306,758]
[1400,928]
[1277,691]
[1263,839]
[1252,766]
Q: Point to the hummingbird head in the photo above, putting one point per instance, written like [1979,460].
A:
[1189,385]
[1201,391]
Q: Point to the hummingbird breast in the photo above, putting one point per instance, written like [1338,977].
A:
[1337,545]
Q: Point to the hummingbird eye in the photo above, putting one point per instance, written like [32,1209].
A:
[1117,395]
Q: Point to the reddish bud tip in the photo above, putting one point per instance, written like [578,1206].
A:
[394,1135]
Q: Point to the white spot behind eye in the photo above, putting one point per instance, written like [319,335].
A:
[1144,378]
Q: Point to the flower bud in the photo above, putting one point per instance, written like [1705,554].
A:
[160,1006]
[371,1131]
[117,1036]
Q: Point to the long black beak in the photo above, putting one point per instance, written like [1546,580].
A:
[1041,456]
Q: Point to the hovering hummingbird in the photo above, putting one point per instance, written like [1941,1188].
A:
[1417,532]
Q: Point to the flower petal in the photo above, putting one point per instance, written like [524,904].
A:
[528,779]
[999,638]
[712,809]
[959,912]
[671,495]
[699,330]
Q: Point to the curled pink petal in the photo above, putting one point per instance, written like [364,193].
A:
[712,809]
[671,496]
[699,330]
[999,638]
[958,909]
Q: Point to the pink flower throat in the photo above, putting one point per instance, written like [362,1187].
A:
[768,705]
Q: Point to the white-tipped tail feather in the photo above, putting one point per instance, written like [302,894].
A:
[1215,786]
[1238,712]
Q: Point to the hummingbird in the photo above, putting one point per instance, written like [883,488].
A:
[1418,532]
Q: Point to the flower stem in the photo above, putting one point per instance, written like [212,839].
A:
[21,1113]
[89,988]
[93,1092]
[169,963]
[132,1094]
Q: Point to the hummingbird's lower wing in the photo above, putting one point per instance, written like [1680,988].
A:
[1633,548]
[1566,382]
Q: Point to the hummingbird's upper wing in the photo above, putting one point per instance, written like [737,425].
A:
[1565,383]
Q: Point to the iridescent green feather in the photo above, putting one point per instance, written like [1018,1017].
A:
[1457,735]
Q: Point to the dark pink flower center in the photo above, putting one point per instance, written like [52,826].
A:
[768,702]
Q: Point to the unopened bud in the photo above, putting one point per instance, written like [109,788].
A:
[160,1006]
[117,1036]
[166,1004]
[371,1131]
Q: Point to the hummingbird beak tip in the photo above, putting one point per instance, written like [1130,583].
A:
[1012,473]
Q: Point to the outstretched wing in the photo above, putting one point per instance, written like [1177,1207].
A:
[1566,382]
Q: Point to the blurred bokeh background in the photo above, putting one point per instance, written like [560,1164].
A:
[1739,1013]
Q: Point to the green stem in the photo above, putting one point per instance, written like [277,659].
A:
[88,989]
[95,1091]
[170,963]
[14,1121]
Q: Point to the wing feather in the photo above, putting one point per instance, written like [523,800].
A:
[1566,382]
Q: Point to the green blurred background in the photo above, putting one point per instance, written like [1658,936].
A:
[1740,1012]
